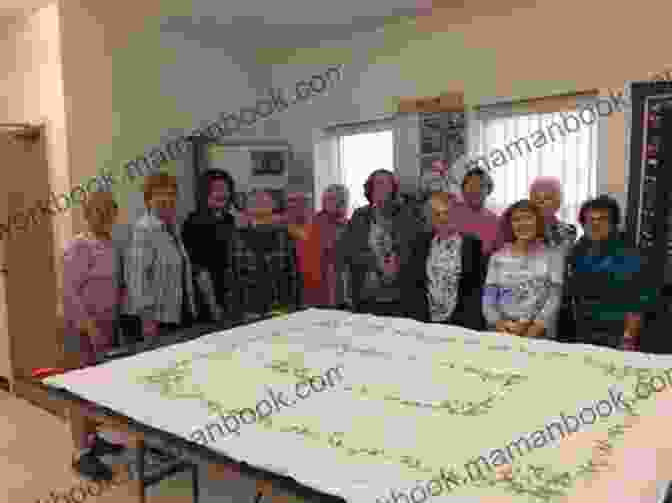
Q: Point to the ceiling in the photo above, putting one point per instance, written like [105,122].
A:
[264,23]
[283,12]
[303,12]
[284,23]
[10,9]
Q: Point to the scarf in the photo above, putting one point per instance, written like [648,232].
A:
[321,235]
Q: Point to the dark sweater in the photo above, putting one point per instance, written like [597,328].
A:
[468,311]
[354,252]
[207,241]
[605,281]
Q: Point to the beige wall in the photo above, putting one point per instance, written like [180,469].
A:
[31,90]
[91,31]
[87,75]
[588,44]
[488,50]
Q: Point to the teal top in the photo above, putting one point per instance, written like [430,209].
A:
[608,280]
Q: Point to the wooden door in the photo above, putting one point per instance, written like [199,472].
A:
[32,332]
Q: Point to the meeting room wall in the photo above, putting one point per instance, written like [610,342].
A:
[165,84]
[31,91]
[111,86]
[516,53]
[156,81]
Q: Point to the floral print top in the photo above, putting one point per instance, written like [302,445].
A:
[382,242]
[444,268]
[524,287]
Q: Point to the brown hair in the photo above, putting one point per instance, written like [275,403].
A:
[505,227]
[158,181]
[444,197]
[94,201]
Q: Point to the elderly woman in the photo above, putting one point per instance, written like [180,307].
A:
[263,269]
[546,194]
[523,286]
[444,280]
[325,282]
[471,216]
[607,280]
[158,270]
[92,295]
[207,234]
[376,246]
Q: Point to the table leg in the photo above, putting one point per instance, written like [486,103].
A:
[140,463]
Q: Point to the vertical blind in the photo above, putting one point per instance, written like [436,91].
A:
[571,157]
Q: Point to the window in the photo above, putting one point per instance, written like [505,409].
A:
[568,155]
[359,155]
[348,153]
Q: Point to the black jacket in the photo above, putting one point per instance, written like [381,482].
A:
[468,312]
[207,241]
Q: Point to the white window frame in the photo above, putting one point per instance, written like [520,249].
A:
[509,109]
[327,144]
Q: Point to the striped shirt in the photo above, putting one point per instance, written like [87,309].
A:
[155,271]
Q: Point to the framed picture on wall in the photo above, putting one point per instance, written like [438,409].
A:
[266,162]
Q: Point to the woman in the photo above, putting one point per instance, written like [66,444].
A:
[546,194]
[206,235]
[606,280]
[376,247]
[92,295]
[263,268]
[471,216]
[325,281]
[444,281]
[158,269]
[524,280]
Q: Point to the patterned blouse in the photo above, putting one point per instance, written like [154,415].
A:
[525,287]
[263,272]
[158,273]
[91,283]
[444,267]
[382,242]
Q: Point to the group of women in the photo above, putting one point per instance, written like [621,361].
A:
[521,273]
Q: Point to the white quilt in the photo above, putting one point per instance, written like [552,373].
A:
[415,398]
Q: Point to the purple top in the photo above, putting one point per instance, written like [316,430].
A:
[90,281]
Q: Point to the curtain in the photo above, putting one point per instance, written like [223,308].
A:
[327,165]
[571,157]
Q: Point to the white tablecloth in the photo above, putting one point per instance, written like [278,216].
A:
[414,398]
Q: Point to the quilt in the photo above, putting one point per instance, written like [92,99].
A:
[385,409]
